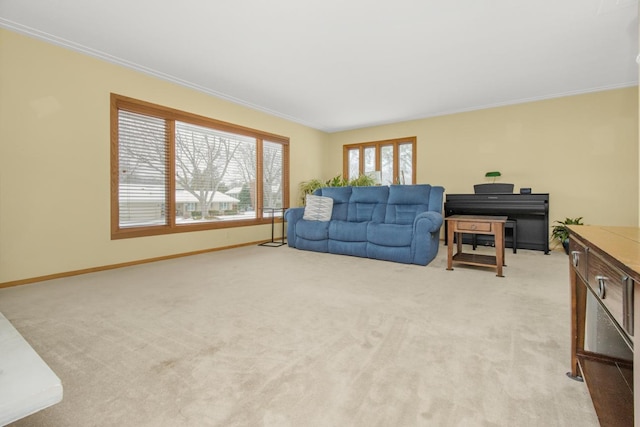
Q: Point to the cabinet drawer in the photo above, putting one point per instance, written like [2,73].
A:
[473,226]
[578,253]
[613,288]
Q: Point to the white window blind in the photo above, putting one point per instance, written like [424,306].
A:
[143,175]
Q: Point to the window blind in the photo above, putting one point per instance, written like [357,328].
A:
[143,172]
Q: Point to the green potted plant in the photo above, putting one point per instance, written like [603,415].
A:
[308,187]
[560,232]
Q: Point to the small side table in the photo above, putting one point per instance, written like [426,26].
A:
[476,224]
[274,243]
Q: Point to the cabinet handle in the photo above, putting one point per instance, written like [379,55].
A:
[602,291]
[627,314]
[575,255]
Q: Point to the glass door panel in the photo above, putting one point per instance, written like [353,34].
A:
[369,160]
[386,164]
[354,163]
[406,164]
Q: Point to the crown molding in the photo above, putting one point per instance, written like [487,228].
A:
[50,38]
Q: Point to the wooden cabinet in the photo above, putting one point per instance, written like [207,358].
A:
[578,254]
[604,266]
[613,289]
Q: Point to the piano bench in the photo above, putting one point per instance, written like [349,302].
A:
[510,224]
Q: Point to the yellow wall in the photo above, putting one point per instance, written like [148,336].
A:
[54,156]
[583,150]
[54,159]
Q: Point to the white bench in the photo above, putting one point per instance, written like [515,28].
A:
[27,384]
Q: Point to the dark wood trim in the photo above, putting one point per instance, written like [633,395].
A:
[610,384]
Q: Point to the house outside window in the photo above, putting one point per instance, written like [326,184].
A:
[209,174]
[394,159]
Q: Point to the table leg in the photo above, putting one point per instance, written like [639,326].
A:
[503,243]
[578,316]
[450,234]
[499,242]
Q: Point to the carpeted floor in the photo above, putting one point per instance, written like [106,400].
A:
[260,336]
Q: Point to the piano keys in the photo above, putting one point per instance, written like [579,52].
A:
[530,211]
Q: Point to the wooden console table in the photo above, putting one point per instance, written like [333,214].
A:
[475,224]
[604,267]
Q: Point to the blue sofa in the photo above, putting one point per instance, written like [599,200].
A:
[398,223]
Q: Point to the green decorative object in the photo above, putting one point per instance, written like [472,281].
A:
[493,174]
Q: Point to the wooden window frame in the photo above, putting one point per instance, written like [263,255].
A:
[396,142]
[170,115]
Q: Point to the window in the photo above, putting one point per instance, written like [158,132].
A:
[394,159]
[173,171]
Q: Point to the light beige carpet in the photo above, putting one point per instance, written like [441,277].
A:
[261,336]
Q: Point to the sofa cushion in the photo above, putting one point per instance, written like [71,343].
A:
[340,196]
[390,234]
[348,231]
[318,208]
[313,230]
[405,202]
[388,253]
[348,248]
[409,194]
[312,245]
[367,204]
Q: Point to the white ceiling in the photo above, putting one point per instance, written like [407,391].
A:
[344,64]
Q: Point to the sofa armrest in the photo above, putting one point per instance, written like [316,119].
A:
[292,216]
[429,222]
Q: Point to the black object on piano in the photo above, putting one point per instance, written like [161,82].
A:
[493,187]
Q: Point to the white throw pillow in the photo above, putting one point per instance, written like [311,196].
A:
[318,208]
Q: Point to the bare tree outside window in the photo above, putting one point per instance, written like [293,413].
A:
[369,160]
[406,163]
[354,163]
[386,164]
[272,165]
[206,160]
